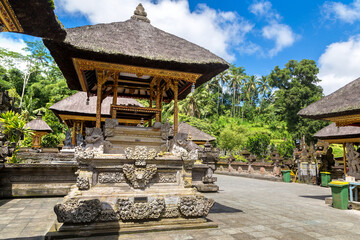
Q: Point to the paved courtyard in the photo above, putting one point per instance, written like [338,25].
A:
[245,209]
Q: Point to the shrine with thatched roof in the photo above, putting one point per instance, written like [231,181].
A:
[196,135]
[133,59]
[40,128]
[334,134]
[341,106]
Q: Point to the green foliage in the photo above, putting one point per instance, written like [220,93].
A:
[286,148]
[13,127]
[232,137]
[258,144]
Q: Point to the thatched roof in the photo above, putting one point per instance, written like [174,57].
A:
[38,125]
[37,18]
[333,132]
[345,101]
[76,104]
[133,42]
[196,134]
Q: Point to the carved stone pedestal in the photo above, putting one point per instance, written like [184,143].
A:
[134,191]
[202,178]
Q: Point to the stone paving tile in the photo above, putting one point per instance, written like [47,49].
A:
[245,209]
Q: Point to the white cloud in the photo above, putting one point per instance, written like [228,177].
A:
[280,33]
[215,30]
[12,44]
[339,64]
[264,9]
[337,10]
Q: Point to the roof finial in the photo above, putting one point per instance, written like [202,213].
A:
[140,14]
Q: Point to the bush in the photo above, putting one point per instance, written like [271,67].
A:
[286,148]
[258,144]
[232,137]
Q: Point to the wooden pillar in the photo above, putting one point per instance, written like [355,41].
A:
[100,80]
[176,117]
[344,158]
[82,127]
[115,92]
[161,102]
[157,119]
[151,102]
[73,140]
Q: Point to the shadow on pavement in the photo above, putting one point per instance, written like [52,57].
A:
[4,201]
[319,197]
[219,208]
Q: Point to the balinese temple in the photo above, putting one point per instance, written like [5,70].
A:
[341,107]
[133,59]
[134,178]
[36,18]
[196,135]
[40,128]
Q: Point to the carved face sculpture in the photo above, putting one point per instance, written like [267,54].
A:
[88,131]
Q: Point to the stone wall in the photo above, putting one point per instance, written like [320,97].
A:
[30,180]
[246,167]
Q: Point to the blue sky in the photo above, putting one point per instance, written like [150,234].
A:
[257,35]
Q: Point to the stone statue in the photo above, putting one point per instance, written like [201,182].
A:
[353,160]
[80,140]
[180,146]
[327,160]
[94,138]
[67,141]
[141,124]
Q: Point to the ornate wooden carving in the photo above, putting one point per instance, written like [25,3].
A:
[8,19]
[83,64]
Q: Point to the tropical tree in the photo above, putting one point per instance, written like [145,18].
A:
[13,127]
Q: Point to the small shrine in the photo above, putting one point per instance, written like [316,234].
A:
[40,129]
[342,109]
[134,177]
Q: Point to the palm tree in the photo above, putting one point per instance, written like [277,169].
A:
[264,88]
[236,79]
[223,79]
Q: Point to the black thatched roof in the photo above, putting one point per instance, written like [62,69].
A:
[76,104]
[37,18]
[333,132]
[38,125]
[196,134]
[345,101]
[133,42]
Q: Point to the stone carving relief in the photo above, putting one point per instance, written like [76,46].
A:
[171,211]
[128,210]
[180,146]
[139,176]
[111,177]
[110,125]
[208,178]
[86,211]
[195,206]
[140,153]
[167,177]
[83,179]
[82,183]
[353,158]
[78,211]
[83,155]
[94,140]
